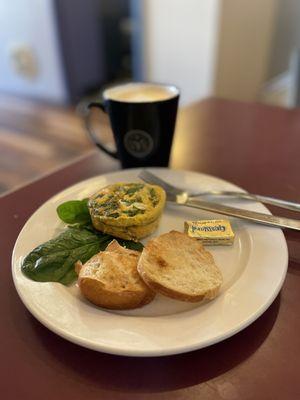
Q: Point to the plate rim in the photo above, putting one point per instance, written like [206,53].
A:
[87,343]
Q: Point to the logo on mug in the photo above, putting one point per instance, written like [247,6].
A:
[138,143]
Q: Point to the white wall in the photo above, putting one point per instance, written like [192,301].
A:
[209,47]
[245,40]
[31,22]
[180,43]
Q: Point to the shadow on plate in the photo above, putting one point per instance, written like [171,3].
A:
[129,374]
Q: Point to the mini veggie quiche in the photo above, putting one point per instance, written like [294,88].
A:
[127,210]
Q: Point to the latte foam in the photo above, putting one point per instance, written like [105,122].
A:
[140,92]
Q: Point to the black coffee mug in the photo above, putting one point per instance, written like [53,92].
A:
[142,117]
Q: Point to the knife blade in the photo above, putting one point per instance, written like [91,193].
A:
[258,217]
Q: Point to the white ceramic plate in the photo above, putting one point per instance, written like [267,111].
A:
[253,268]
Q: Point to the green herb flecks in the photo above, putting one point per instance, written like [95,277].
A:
[113,215]
[128,202]
[133,212]
[153,197]
[134,188]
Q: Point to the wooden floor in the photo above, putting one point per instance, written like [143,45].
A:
[36,138]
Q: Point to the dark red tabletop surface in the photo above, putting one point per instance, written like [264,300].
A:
[251,145]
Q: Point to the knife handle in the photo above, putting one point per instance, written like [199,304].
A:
[289,205]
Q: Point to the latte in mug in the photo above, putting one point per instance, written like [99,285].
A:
[142,117]
[140,93]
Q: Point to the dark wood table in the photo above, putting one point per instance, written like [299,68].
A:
[252,145]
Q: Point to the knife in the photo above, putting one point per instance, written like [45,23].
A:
[261,218]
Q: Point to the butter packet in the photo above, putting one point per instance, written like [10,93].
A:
[211,232]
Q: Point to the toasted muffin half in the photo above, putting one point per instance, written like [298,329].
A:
[179,267]
[110,279]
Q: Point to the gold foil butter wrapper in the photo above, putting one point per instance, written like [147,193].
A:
[211,232]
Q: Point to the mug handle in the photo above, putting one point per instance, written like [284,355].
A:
[87,121]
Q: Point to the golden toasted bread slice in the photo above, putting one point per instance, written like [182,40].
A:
[178,266]
[110,279]
[116,247]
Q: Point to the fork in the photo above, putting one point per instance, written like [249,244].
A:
[181,198]
[151,178]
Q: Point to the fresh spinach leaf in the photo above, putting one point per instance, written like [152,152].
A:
[130,244]
[54,260]
[74,212]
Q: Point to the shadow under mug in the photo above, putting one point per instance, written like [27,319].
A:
[142,118]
